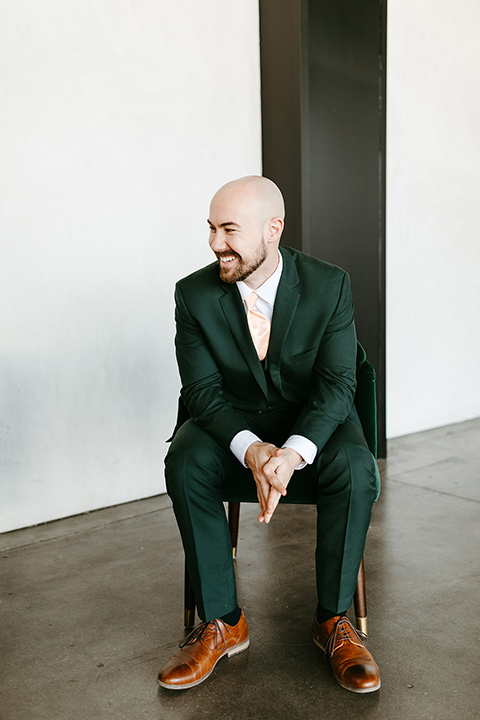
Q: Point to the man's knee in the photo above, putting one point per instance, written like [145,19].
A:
[361,464]
[347,463]
[194,457]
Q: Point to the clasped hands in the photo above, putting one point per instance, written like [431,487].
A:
[272,468]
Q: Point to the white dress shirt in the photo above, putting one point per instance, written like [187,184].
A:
[242,440]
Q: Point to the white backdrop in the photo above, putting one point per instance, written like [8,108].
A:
[118,121]
[433,214]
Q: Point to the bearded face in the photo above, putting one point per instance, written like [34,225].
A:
[235,266]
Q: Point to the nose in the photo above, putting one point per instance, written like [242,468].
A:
[217,242]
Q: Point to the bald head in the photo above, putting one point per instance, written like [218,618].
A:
[246,223]
[257,194]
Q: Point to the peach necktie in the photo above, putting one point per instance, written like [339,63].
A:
[259,326]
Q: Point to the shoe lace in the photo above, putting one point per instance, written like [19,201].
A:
[204,631]
[341,633]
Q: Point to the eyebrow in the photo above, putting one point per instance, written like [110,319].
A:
[224,224]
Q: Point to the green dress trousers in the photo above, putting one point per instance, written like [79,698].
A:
[201,475]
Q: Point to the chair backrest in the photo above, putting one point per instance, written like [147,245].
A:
[366,399]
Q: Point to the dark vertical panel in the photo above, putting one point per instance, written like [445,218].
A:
[323,90]
[345,152]
[282,90]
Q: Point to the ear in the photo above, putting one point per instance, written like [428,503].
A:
[274,229]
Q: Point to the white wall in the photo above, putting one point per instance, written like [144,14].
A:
[118,121]
[433,214]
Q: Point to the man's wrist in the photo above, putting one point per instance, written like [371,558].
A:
[249,451]
[240,444]
[295,456]
[304,447]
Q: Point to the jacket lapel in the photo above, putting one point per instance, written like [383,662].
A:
[286,303]
[237,321]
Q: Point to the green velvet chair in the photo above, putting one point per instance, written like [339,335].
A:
[366,410]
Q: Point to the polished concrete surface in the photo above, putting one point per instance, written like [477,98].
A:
[91,606]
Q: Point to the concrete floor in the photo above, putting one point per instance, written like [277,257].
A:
[91,606]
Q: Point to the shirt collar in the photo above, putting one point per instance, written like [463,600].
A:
[268,290]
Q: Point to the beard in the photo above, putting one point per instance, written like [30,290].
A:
[242,268]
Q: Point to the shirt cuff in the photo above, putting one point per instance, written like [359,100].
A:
[240,444]
[305,447]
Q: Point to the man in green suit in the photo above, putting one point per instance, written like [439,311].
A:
[266,349]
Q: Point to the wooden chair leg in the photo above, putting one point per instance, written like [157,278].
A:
[360,601]
[233,521]
[189,612]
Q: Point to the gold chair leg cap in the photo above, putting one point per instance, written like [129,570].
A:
[189,618]
[362,625]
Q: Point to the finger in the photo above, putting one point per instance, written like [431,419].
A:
[273,500]
[272,465]
[274,460]
[271,450]
[262,515]
[277,484]
[261,501]
[260,497]
[263,489]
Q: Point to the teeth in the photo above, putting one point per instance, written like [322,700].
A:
[227,259]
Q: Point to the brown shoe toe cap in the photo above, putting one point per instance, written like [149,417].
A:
[361,676]
[175,675]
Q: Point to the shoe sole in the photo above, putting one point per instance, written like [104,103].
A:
[317,642]
[229,653]
[358,691]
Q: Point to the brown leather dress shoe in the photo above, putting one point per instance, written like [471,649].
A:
[200,652]
[353,666]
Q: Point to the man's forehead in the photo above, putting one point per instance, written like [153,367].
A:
[233,208]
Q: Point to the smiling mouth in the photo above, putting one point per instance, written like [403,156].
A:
[227,258]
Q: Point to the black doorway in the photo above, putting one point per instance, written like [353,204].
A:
[323,132]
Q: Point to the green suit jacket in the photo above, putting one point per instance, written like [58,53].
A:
[311,356]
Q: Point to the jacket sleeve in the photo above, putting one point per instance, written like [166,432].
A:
[334,375]
[202,391]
